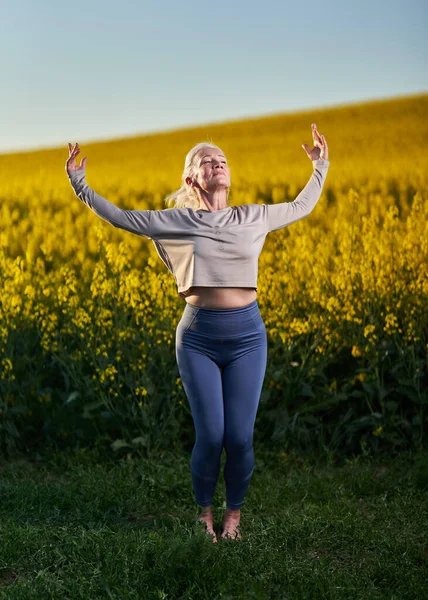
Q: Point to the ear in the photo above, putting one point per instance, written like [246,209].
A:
[188,181]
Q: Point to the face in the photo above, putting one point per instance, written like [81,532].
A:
[211,171]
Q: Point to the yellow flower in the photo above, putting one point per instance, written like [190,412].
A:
[391,323]
[368,330]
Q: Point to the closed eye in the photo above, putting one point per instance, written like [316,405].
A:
[208,161]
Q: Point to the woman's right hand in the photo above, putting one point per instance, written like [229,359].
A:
[70,164]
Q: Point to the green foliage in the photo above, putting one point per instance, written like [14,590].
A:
[75,525]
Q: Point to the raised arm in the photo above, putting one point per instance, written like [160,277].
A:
[285,213]
[135,221]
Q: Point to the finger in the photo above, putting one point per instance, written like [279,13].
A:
[315,133]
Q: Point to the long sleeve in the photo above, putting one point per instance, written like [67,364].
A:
[135,221]
[284,213]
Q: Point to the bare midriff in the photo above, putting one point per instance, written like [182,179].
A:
[211,297]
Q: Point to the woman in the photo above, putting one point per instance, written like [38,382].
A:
[212,250]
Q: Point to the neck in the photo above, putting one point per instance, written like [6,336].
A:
[213,201]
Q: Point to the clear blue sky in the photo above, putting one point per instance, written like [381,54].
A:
[99,69]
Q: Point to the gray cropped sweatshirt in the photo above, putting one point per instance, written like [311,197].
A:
[208,248]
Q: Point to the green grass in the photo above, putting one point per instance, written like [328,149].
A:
[74,526]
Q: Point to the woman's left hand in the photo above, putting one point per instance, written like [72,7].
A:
[320,149]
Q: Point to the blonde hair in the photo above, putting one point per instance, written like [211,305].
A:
[186,196]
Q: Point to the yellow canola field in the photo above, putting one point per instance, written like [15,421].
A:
[352,273]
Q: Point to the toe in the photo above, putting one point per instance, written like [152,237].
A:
[235,534]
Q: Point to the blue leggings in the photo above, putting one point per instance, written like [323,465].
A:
[221,356]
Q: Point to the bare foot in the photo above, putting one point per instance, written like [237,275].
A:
[206,517]
[231,524]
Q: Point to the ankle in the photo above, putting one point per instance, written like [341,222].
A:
[233,513]
[205,510]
